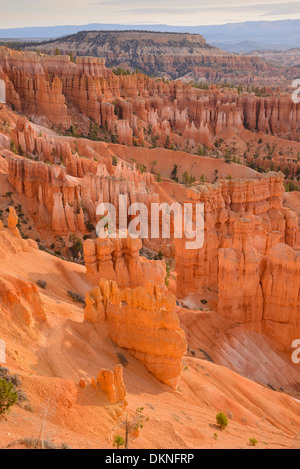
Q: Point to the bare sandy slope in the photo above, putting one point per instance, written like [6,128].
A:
[195,165]
[244,349]
[165,160]
[213,168]
[52,356]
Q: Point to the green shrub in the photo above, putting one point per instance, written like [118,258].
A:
[290,186]
[13,147]
[187,179]
[174,173]
[89,226]
[8,397]
[77,246]
[167,278]
[222,420]
[119,441]
[253,441]
[159,256]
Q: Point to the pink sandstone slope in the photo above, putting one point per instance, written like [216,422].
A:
[56,351]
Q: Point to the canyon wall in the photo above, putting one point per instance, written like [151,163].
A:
[56,91]
[63,194]
[224,202]
[260,289]
[250,256]
[281,289]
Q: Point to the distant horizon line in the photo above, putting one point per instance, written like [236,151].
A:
[149,24]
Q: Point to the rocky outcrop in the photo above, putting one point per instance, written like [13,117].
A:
[262,289]
[143,321]
[276,114]
[94,310]
[22,300]
[36,93]
[18,298]
[281,291]
[167,54]
[260,201]
[10,240]
[136,108]
[119,260]
[111,382]
[12,222]
[239,275]
[56,200]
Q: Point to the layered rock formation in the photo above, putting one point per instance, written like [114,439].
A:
[224,202]
[250,255]
[143,321]
[56,199]
[260,289]
[30,90]
[240,274]
[249,263]
[169,54]
[136,106]
[250,238]
[111,382]
[118,259]
[281,289]
[22,300]
[10,239]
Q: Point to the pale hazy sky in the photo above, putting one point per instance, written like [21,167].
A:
[21,13]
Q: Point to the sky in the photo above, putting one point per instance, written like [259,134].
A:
[22,13]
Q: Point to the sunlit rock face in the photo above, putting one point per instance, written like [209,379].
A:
[143,321]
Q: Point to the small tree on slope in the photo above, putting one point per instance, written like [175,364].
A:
[8,397]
